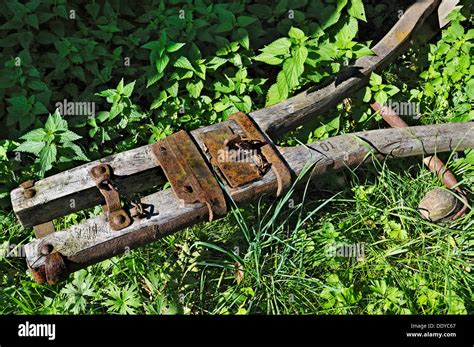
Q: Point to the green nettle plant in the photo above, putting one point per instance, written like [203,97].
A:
[448,89]
[160,56]
[52,144]
[292,53]
[378,91]
[310,58]
[122,119]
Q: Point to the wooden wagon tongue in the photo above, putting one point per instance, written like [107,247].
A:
[209,168]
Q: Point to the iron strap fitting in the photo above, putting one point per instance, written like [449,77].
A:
[244,157]
[117,216]
[190,177]
[238,157]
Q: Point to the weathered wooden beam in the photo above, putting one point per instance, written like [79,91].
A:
[75,190]
[93,240]
[278,119]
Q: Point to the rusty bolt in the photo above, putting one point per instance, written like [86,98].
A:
[28,190]
[101,172]
[29,193]
[119,219]
[47,249]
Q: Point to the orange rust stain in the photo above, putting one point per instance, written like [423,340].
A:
[401,35]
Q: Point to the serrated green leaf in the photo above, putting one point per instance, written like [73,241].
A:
[34,135]
[296,34]
[115,110]
[391,90]
[128,89]
[367,95]
[55,122]
[215,63]
[244,21]
[347,32]
[381,97]
[278,91]
[154,78]
[19,104]
[120,87]
[268,59]
[292,70]
[278,47]
[32,20]
[221,106]
[68,136]
[375,80]
[194,89]
[173,89]
[33,147]
[47,157]
[243,38]
[161,63]
[80,155]
[183,63]
[174,47]
[300,55]
[162,97]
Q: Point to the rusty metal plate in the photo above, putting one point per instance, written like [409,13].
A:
[258,154]
[278,165]
[236,172]
[191,179]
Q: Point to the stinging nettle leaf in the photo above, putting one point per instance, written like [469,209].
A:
[269,59]
[68,136]
[55,122]
[47,157]
[33,147]
[278,47]
[183,63]
[161,63]
[174,47]
[296,34]
[34,135]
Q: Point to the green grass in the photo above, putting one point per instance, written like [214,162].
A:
[276,260]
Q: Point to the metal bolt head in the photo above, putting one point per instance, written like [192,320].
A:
[101,171]
[46,249]
[119,219]
[29,193]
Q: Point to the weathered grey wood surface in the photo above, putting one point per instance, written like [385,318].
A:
[74,190]
[93,240]
[278,119]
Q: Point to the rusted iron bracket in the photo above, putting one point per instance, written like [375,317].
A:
[243,159]
[117,217]
[53,270]
[191,179]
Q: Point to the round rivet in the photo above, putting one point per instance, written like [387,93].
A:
[29,193]
[119,219]
[47,249]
